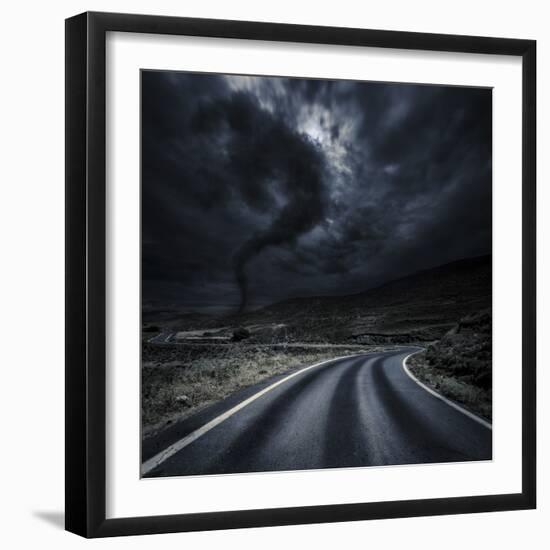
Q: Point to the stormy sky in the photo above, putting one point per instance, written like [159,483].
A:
[258,189]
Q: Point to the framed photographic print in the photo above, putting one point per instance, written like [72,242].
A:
[300,274]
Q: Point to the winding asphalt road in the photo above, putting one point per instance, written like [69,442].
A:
[358,411]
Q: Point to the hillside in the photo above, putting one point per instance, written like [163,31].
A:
[460,364]
[420,307]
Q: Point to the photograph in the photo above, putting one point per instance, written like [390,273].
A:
[316,273]
[274,277]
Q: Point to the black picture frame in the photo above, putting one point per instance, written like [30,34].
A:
[86,264]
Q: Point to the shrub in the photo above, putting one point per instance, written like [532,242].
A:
[240,334]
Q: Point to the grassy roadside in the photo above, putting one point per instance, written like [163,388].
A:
[179,380]
[459,366]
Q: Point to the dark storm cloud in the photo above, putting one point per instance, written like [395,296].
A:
[289,187]
[266,156]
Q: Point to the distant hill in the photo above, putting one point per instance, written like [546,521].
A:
[421,306]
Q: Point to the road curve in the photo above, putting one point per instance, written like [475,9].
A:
[358,411]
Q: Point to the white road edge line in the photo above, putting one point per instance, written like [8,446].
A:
[159,458]
[452,404]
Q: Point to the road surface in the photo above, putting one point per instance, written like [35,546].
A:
[162,338]
[358,411]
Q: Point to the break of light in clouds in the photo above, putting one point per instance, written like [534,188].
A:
[282,187]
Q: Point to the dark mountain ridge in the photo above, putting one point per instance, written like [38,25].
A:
[421,306]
